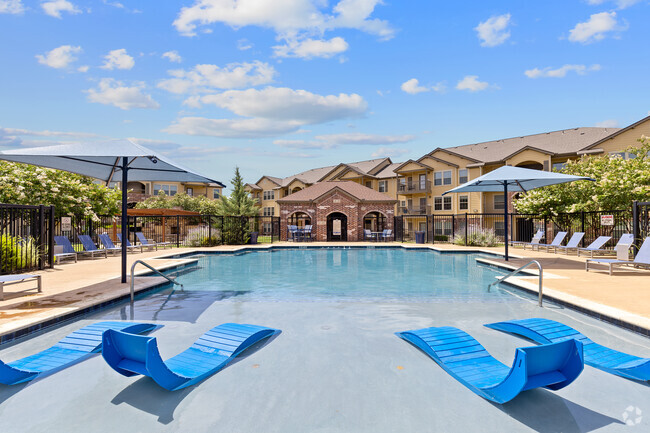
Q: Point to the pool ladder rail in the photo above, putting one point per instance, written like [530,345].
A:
[171,280]
[516,271]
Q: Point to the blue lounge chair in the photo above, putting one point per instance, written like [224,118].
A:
[552,366]
[537,237]
[556,242]
[626,239]
[72,349]
[68,251]
[130,354]
[6,280]
[110,246]
[572,245]
[89,247]
[596,246]
[149,242]
[544,331]
[129,245]
[642,259]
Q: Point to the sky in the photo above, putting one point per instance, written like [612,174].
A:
[282,86]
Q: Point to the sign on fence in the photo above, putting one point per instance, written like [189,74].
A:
[66,224]
[607,220]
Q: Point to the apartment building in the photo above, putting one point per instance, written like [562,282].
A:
[140,191]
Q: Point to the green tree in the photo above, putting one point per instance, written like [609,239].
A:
[618,182]
[200,204]
[71,194]
[240,203]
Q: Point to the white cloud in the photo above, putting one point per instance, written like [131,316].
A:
[609,123]
[55,7]
[172,56]
[11,7]
[228,128]
[304,144]
[387,152]
[560,72]
[493,31]
[118,59]
[621,4]
[472,84]
[284,104]
[310,48]
[204,78]
[244,45]
[285,17]
[83,68]
[59,57]
[364,139]
[45,133]
[113,92]
[595,29]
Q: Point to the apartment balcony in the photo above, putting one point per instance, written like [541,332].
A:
[414,187]
[415,210]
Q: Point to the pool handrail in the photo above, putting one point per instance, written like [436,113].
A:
[171,280]
[541,272]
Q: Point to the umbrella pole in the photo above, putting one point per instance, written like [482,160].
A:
[505,215]
[125,178]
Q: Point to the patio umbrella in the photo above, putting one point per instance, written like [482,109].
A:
[113,160]
[513,179]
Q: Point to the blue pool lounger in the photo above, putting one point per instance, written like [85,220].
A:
[552,366]
[545,331]
[130,354]
[73,348]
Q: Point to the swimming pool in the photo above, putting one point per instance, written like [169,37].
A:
[337,366]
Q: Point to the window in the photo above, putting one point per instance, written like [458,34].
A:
[437,178]
[499,202]
[443,228]
[216,194]
[446,203]
[499,228]
[269,211]
[557,166]
[462,176]
[622,155]
[446,177]
[189,191]
[423,182]
[269,195]
[383,186]
[463,202]
[437,203]
[369,184]
[267,228]
[169,190]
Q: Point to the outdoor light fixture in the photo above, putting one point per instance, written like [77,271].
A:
[153,159]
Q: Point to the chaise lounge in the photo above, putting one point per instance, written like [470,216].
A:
[642,259]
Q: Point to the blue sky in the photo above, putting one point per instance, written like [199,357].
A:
[277,87]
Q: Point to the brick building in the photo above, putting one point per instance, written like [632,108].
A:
[338,210]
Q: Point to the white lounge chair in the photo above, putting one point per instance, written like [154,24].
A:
[535,240]
[572,244]
[642,259]
[556,242]
[6,280]
[596,247]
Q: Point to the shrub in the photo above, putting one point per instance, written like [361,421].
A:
[477,237]
[17,253]
[197,237]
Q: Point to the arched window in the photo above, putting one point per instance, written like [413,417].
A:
[299,219]
[374,221]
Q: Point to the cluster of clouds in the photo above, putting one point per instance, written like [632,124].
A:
[469,83]
[54,8]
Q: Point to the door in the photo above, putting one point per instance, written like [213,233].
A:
[337,227]
[423,205]
[423,182]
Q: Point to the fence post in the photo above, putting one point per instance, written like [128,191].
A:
[545,231]
[582,227]
[221,237]
[210,228]
[453,224]
[50,238]
[41,236]
[178,231]
[466,228]
[635,226]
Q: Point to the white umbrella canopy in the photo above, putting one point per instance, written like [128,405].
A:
[113,160]
[513,179]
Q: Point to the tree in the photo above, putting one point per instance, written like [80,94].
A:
[239,203]
[200,204]
[618,182]
[70,193]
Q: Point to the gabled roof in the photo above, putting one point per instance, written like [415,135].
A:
[410,161]
[388,171]
[435,158]
[352,189]
[618,132]
[253,186]
[523,149]
[275,180]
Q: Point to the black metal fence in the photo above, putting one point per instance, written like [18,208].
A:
[25,238]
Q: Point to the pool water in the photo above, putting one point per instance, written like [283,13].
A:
[336,274]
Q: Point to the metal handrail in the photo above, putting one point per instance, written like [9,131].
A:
[171,280]
[541,271]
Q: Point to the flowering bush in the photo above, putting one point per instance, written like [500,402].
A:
[71,194]
[477,237]
[200,204]
[197,237]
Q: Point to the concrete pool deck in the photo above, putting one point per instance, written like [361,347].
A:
[72,287]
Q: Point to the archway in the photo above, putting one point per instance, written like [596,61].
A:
[136,187]
[337,227]
[374,221]
[299,219]
[532,165]
[295,190]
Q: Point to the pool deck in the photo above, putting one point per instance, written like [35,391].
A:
[77,287]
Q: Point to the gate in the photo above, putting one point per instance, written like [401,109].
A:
[641,222]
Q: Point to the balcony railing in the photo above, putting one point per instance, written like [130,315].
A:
[415,210]
[414,187]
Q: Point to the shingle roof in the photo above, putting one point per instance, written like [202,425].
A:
[388,171]
[319,189]
[566,141]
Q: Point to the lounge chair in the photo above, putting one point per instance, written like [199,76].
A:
[149,242]
[572,245]
[73,348]
[556,242]
[626,239]
[535,240]
[110,246]
[67,247]
[551,366]
[386,234]
[129,245]
[544,331]
[6,280]
[642,259]
[68,251]
[90,247]
[130,354]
